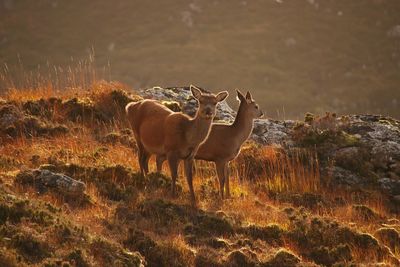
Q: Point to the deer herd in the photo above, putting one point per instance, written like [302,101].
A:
[174,136]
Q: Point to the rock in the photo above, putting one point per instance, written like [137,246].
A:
[340,176]
[349,158]
[183,96]
[389,185]
[269,132]
[396,199]
[365,147]
[395,167]
[44,179]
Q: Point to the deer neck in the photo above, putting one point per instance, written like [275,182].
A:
[198,129]
[243,125]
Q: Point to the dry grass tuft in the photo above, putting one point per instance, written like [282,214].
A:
[279,171]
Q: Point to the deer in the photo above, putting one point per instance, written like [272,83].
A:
[160,131]
[225,140]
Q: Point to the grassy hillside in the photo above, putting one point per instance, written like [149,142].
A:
[280,213]
[296,56]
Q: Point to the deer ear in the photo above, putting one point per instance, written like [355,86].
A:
[240,96]
[222,95]
[248,96]
[196,92]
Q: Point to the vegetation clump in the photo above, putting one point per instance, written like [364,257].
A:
[365,213]
[16,211]
[10,258]
[272,234]
[30,247]
[322,131]
[15,123]
[110,254]
[282,257]
[164,213]
[390,237]
[279,199]
[239,258]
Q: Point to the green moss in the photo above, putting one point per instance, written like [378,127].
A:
[347,140]
[316,137]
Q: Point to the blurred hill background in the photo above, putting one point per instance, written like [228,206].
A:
[294,55]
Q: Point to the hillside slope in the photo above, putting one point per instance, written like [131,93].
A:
[296,56]
[282,212]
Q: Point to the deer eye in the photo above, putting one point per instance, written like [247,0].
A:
[256,106]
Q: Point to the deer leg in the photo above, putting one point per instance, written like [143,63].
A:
[188,164]
[159,162]
[141,152]
[220,166]
[173,162]
[226,172]
[145,162]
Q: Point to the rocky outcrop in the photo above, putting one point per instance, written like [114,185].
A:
[184,97]
[45,180]
[364,149]
[265,131]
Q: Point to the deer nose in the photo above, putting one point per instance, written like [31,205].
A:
[208,111]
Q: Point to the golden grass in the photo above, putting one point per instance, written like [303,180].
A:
[291,174]
[80,149]
[275,170]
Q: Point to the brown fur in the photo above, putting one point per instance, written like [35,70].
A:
[175,135]
[225,140]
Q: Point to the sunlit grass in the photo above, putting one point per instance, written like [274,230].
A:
[258,173]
